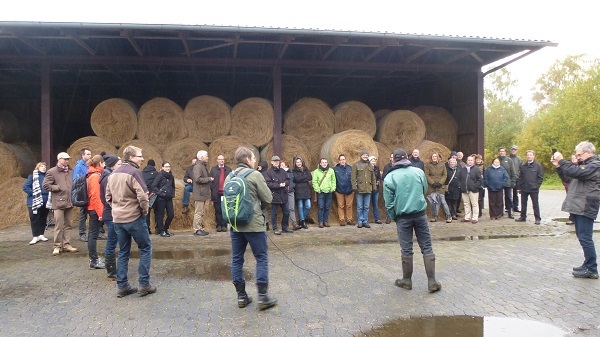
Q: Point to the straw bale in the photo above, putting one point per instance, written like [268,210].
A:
[12,203]
[384,154]
[17,161]
[149,152]
[226,146]
[441,127]
[401,129]
[354,115]
[252,119]
[180,154]
[292,147]
[9,127]
[115,120]
[349,143]
[427,148]
[160,122]
[311,120]
[94,143]
[381,113]
[207,118]
[314,154]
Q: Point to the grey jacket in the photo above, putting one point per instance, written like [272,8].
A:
[509,166]
[517,162]
[583,196]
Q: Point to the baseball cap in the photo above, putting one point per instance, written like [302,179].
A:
[364,152]
[400,154]
[63,155]
[275,158]
[514,147]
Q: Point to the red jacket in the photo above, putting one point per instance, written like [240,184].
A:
[93,189]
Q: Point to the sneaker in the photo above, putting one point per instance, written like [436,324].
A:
[288,231]
[378,222]
[585,273]
[70,249]
[97,264]
[538,221]
[101,236]
[56,251]
[449,219]
[366,225]
[128,290]
[201,232]
[83,238]
[43,238]
[277,232]
[34,240]
[147,290]
[521,220]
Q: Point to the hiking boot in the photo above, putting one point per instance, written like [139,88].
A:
[242,297]
[185,209]
[101,236]
[70,249]
[147,290]
[432,284]
[321,225]
[56,251]
[83,238]
[128,290]
[303,224]
[326,224]
[585,273]
[521,220]
[388,220]
[407,270]
[97,264]
[111,268]
[366,225]
[264,301]
[201,232]
[580,268]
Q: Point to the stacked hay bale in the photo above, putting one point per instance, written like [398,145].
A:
[400,129]
[181,152]
[441,127]
[148,151]
[226,146]
[292,147]
[354,115]
[427,148]
[350,143]
[115,120]
[94,143]
[12,203]
[160,122]
[207,118]
[252,120]
[17,161]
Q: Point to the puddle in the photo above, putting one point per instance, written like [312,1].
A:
[183,254]
[466,326]
[211,271]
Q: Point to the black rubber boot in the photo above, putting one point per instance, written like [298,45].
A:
[242,296]
[264,301]
[303,224]
[111,268]
[407,270]
[432,284]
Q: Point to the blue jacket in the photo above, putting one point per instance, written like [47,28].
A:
[28,188]
[343,178]
[495,178]
[81,169]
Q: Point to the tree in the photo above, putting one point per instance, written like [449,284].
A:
[504,114]
[560,74]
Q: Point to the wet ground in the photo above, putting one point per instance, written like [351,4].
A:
[499,278]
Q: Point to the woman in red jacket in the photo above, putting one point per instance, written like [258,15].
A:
[94,208]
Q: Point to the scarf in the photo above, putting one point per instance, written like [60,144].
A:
[38,201]
[324,168]
[494,166]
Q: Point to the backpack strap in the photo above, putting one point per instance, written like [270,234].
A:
[238,170]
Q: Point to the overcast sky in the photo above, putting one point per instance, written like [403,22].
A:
[570,24]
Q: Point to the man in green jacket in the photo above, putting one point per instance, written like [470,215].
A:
[404,189]
[323,183]
[363,183]
[253,233]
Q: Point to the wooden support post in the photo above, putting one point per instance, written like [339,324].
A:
[278,120]
[479,136]
[46,116]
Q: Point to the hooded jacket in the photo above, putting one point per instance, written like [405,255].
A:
[302,178]
[495,178]
[149,173]
[583,196]
[343,179]
[80,169]
[164,185]
[28,188]
[404,189]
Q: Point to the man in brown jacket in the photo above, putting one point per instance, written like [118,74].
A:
[59,181]
[436,174]
[363,182]
[201,191]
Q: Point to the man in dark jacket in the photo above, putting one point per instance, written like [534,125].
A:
[470,182]
[343,191]
[509,166]
[387,169]
[278,181]
[149,173]
[453,194]
[188,180]
[416,161]
[531,177]
[517,162]
[219,172]
[583,201]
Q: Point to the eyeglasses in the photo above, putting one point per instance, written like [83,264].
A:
[140,156]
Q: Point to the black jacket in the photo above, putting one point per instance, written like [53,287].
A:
[470,181]
[189,174]
[531,177]
[215,172]
[107,212]
[164,185]
[583,196]
[386,169]
[149,173]
[275,176]
[302,180]
[453,182]
[417,162]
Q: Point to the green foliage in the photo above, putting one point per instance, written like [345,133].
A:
[552,182]
[560,75]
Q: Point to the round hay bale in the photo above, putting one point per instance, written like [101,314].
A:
[311,120]
[381,113]
[292,147]
[350,143]
[252,119]
[180,154]
[10,131]
[94,143]
[183,222]
[384,154]
[427,148]
[441,127]
[226,146]
[13,205]
[354,115]
[18,161]
[115,120]
[149,152]
[401,129]
[207,118]
[160,122]
[314,155]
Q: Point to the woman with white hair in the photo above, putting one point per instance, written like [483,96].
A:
[37,198]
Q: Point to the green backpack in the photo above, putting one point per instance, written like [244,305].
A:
[236,204]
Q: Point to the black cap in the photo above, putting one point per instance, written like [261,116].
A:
[110,159]
[400,154]
[453,153]
[151,162]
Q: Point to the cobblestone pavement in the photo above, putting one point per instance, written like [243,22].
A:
[336,281]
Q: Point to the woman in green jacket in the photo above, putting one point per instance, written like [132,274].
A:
[323,182]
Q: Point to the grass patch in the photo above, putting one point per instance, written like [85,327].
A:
[552,182]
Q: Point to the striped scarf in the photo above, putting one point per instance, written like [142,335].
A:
[38,201]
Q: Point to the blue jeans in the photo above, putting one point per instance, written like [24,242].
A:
[375,202]
[258,244]
[405,228]
[138,231]
[111,240]
[187,190]
[362,207]
[303,208]
[584,228]
[324,202]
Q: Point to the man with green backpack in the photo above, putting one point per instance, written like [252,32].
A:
[242,185]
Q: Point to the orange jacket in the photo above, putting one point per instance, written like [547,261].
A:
[93,190]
